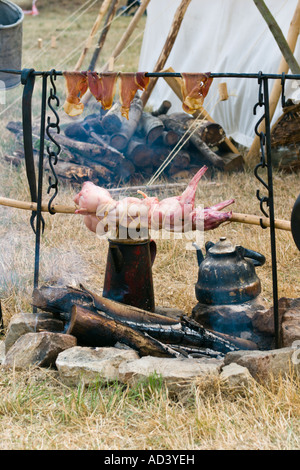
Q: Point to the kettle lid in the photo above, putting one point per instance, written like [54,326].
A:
[223,247]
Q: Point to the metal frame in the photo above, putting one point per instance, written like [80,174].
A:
[266,202]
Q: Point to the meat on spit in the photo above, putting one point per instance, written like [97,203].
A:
[175,214]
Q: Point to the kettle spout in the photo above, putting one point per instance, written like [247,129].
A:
[200,256]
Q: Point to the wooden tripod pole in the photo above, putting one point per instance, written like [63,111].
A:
[110,15]
[102,11]
[292,37]
[122,43]
[178,18]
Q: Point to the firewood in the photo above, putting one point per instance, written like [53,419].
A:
[79,173]
[233,162]
[96,329]
[120,139]
[153,127]
[93,124]
[163,109]
[159,155]
[126,169]
[209,157]
[182,159]
[210,132]
[96,321]
[90,150]
[139,153]
[168,138]
[112,121]
[76,130]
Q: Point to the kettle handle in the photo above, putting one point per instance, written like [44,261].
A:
[257,258]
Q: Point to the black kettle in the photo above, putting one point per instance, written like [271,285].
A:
[227,273]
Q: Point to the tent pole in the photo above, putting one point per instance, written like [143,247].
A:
[174,84]
[102,11]
[121,44]
[292,37]
[177,20]
[101,40]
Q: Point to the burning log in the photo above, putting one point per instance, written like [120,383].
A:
[96,329]
[96,320]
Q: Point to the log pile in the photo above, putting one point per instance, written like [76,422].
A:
[108,149]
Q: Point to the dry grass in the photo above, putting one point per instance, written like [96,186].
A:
[36,410]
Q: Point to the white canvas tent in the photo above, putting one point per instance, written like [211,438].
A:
[219,36]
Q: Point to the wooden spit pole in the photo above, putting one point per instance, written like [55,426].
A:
[64,209]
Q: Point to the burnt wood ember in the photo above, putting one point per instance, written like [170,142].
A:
[97,329]
[72,305]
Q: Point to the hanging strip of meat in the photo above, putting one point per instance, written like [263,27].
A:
[194,88]
[103,87]
[76,87]
[130,83]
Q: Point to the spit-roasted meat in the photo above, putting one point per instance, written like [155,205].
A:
[175,214]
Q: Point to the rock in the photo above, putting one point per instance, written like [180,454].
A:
[23,323]
[40,349]
[290,326]
[230,319]
[87,364]
[172,370]
[262,364]
[289,319]
[235,377]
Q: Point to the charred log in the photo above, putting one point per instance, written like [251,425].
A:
[96,329]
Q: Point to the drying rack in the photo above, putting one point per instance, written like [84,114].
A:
[266,201]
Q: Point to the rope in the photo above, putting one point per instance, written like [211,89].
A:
[45,49]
